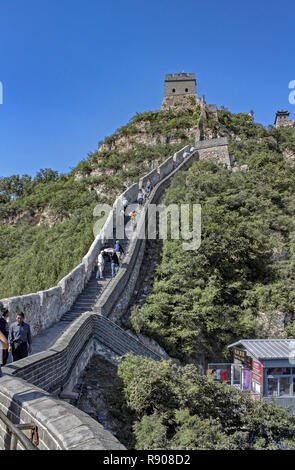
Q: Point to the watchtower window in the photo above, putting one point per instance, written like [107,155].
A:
[173,90]
[186,90]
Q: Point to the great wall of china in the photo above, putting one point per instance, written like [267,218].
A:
[30,388]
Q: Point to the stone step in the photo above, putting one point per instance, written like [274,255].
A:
[83,306]
[93,292]
[73,314]
[89,288]
[81,309]
[86,298]
[70,318]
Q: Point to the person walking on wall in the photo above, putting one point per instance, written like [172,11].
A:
[4,347]
[140,198]
[118,249]
[114,262]
[100,265]
[132,216]
[19,338]
[148,188]
[4,329]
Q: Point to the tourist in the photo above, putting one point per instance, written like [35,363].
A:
[100,265]
[4,329]
[133,218]
[4,346]
[114,262]
[125,203]
[140,197]
[148,188]
[118,249]
[19,338]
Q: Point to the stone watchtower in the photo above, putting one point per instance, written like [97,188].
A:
[180,89]
[282,119]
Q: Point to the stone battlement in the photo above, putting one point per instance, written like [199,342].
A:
[180,76]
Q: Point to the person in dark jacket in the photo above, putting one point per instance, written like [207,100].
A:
[19,338]
[4,329]
[118,249]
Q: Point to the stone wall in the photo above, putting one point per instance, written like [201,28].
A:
[215,150]
[52,369]
[45,308]
[60,425]
[26,385]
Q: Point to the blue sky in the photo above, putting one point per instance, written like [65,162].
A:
[73,71]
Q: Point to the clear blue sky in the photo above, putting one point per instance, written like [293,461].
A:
[73,71]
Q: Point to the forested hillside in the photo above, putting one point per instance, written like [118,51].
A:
[240,283]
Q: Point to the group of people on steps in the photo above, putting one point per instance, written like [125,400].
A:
[113,255]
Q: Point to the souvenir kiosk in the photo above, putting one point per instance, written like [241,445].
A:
[264,368]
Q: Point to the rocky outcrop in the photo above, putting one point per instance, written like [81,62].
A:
[272,325]
[289,155]
[36,217]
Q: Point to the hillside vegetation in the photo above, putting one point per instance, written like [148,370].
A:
[178,410]
[240,283]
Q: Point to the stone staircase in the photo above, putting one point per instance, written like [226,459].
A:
[86,301]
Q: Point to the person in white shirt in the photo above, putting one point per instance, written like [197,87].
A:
[100,265]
